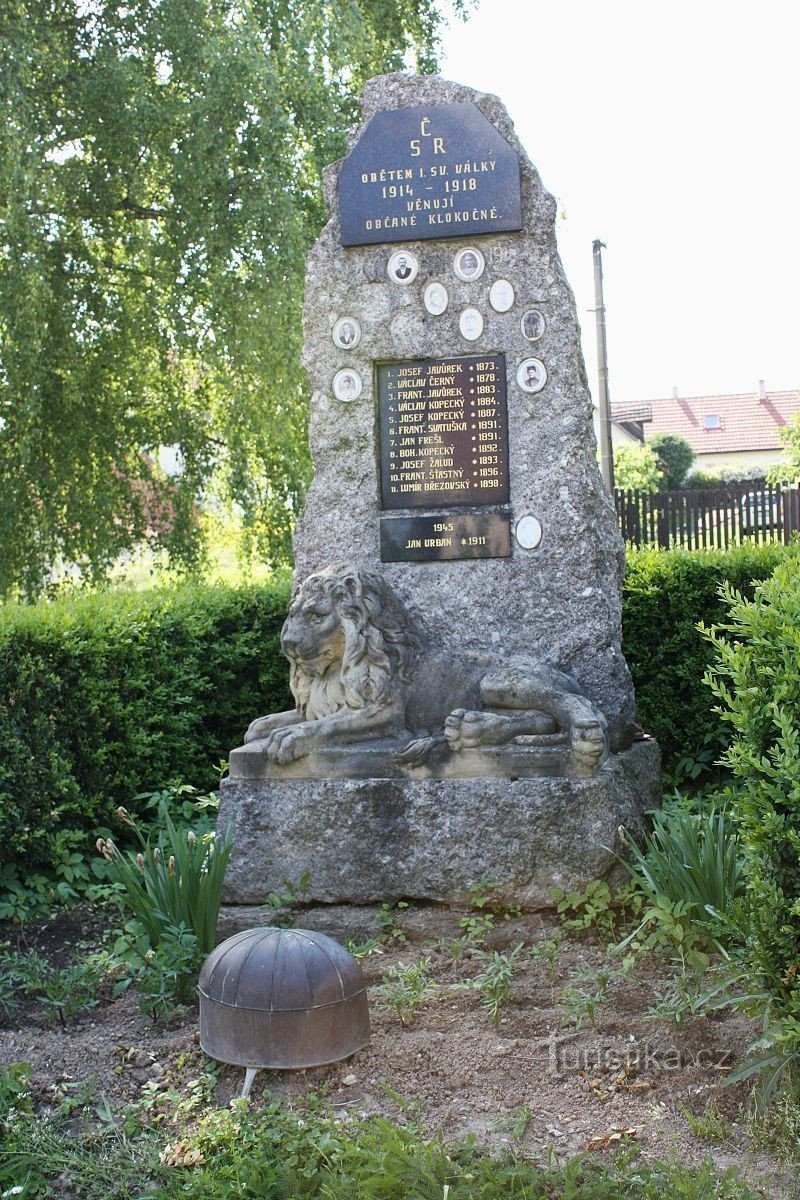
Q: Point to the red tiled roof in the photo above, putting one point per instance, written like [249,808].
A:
[747,421]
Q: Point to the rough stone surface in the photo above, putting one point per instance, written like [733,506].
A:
[560,602]
[363,841]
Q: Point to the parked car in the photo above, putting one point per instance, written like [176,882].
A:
[759,510]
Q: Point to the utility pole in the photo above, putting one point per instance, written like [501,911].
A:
[606,450]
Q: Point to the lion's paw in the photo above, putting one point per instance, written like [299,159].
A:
[262,727]
[467,728]
[588,739]
[287,744]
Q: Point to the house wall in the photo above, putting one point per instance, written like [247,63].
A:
[737,459]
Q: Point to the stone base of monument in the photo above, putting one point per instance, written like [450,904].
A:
[527,757]
[364,841]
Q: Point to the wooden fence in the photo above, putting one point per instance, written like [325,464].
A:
[708,518]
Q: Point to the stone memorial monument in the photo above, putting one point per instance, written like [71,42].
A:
[463,710]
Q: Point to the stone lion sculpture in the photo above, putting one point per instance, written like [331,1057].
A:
[359,672]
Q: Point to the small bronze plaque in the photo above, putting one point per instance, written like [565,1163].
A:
[435,172]
[444,432]
[445,536]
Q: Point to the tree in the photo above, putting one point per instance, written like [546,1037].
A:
[789,469]
[160,185]
[675,456]
[637,467]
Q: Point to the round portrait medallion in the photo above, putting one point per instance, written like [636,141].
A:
[402,267]
[501,295]
[532,324]
[347,385]
[468,264]
[436,299]
[470,324]
[531,375]
[528,532]
[346,333]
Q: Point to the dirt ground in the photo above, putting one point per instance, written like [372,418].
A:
[534,1081]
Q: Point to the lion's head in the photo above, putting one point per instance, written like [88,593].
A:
[346,626]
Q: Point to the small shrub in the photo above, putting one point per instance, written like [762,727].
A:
[665,594]
[756,680]
[587,993]
[102,693]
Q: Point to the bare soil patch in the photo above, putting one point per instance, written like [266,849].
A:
[534,1081]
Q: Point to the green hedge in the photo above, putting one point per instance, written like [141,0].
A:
[103,696]
[665,594]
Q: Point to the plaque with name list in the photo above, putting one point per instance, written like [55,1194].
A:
[445,536]
[443,432]
[438,171]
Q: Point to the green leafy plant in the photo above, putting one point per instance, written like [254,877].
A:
[363,949]
[588,992]
[493,983]
[483,896]
[292,893]
[166,978]
[405,988]
[692,860]
[709,1126]
[63,991]
[548,951]
[486,910]
[173,889]
[669,927]
[593,909]
[387,919]
[665,593]
[756,681]
[174,881]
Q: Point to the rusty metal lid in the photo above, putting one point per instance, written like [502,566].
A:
[282,998]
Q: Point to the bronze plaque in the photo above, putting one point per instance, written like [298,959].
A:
[441,536]
[444,432]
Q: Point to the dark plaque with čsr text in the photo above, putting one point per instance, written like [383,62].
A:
[443,432]
[434,172]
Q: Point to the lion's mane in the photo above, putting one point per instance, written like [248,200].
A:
[381,646]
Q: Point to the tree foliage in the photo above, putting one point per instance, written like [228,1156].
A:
[160,185]
[789,468]
[675,456]
[637,467]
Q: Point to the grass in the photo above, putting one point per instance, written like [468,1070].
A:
[276,1153]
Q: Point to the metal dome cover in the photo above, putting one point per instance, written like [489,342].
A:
[282,998]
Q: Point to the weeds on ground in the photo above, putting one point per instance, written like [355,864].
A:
[202,1153]
[587,993]
[486,909]
[493,983]
[710,1126]
[387,919]
[405,988]
[61,991]
[293,893]
[596,909]
[777,1127]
